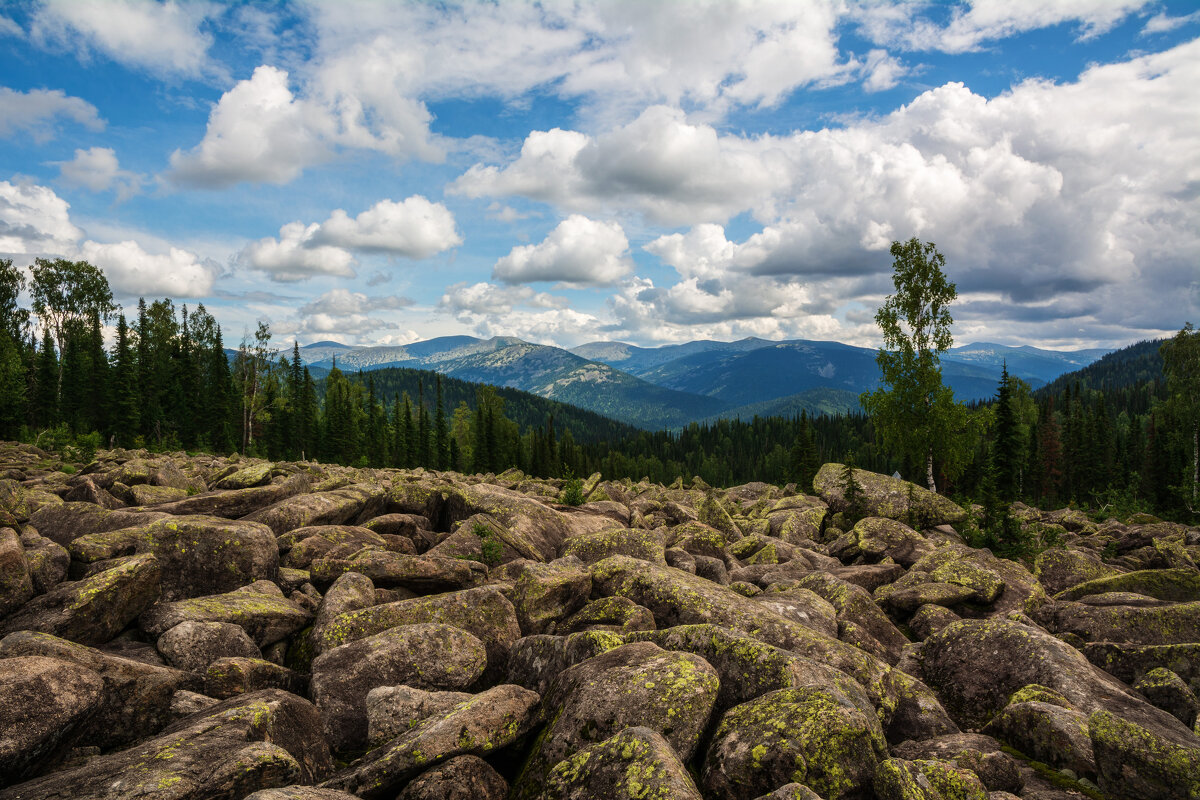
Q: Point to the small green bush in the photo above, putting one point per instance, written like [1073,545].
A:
[490,548]
[572,492]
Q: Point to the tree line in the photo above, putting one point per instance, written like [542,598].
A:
[166,382]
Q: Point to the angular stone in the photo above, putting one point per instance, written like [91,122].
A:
[460,778]
[147,495]
[93,610]
[536,661]
[68,521]
[488,722]
[1060,568]
[1047,733]
[43,703]
[48,562]
[425,656]
[1176,585]
[854,603]
[305,545]
[334,507]
[483,612]
[16,583]
[810,735]
[392,710]
[137,696]
[618,614]
[386,569]
[1135,764]
[896,779]
[638,684]
[879,538]
[885,496]
[257,741]
[193,645]
[1178,623]
[237,503]
[592,547]
[265,615]
[633,764]
[235,675]
[545,594]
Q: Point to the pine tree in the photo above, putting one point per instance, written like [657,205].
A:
[1006,445]
[1050,449]
[441,444]
[126,408]
[410,434]
[45,398]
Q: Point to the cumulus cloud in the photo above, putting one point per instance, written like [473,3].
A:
[37,111]
[132,271]
[35,222]
[292,257]
[345,313]
[490,299]
[578,252]
[1164,23]
[258,132]
[98,169]
[162,38]
[673,171]
[413,228]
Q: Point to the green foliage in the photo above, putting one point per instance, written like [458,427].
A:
[1181,364]
[572,491]
[852,493]
[914,413]
[490,547]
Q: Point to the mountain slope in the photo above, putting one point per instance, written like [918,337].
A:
[1130,366]
[1027,363]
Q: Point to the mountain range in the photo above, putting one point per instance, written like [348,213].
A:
[670,386]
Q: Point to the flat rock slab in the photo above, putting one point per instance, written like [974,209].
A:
[258,741]
[267,618]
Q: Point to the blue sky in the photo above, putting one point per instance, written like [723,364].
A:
[380,173]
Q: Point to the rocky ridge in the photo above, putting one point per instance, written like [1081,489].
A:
[202,627]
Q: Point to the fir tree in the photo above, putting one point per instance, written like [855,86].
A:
[441,444]
[126,406]
[1006,447]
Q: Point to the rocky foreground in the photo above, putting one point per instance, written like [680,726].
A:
[200,627]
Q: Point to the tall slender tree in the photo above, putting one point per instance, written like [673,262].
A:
[1181,363]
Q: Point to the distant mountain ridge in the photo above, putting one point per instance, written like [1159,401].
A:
[670,386]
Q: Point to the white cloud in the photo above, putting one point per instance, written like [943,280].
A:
[882,71]
[344,313]
[98,169]
[10,28]
[258,132]
[1164,23]
[579,252]
[979,21]
[132,271]
[158,37]
[34,221]
[671,170]
[343,301]
[292,258]
[413,228]
[35,112]
[490,299]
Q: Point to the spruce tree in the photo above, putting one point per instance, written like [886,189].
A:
[441,444]
[126,408]
[1006,445]
[45,398]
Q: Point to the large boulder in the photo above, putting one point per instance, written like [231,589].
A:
[1046,732]
[425,573]
[1060,568]
[1178,623]
[199,555]
[638,684]
[1176,585]
[258,741]
[885,496]
[137,696]
[334,507]
[237,503]
[634,764]
[67,521]
[592,547]
[193,645]
[546,594]
[460,778]
[878,538]
[93,610]
[424,656]
[260,609]
[810,735]
[16,582]
[528,526]
[483,612]
[1130,662]
[392,710]
[488,722]
[307,544]
[976,665]
[44,703]
[1137,764]
[855,604]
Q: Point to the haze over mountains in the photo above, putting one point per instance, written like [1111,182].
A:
[670,386]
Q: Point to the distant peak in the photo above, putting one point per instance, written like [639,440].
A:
[327,343]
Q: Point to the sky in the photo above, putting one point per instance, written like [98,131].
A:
[647,172]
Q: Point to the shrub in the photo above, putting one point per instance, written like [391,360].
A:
[490,548]
[572,491]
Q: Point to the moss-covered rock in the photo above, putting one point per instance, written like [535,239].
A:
[546,594]
[1135,763]
[424,574]
[638,684]
[854,603]
[592,547]
[137,695]
[1129,662]
[618,614]
[235,675]
[896,779]
[878,538]
[459,778]
[424,656]
[885,496]
[810,735]
[16,582]
[487,722]
[929,619]
[260,609]
[1048,733]
[1060,568]
[44,702]
[635,764]
[1176,585]
[535,662]
[257,741]
[1178,623]
[1168,691]
[93,610]
[484,612]
[334,507]
[392,710]
[1040,694]
[976,665]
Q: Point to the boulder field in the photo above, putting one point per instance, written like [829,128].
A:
[196,627]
